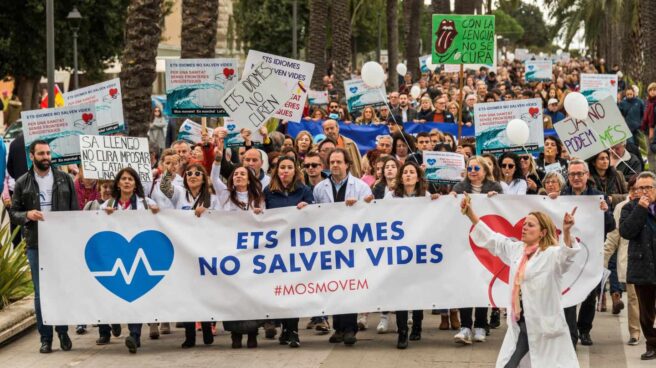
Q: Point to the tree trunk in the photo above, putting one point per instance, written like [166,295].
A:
[316,53]
[341,55]
[413,10]
[648,14]
[142,35]
[198,35]
[632,46]
[392,44]
[466,6]
[441,6]
[28,92]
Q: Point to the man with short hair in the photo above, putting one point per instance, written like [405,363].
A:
[423,144]
[405,111]
[313,168]
[481,90]
[383,145]
[578,175]
[342,187]
[183,149]
[331,130]
[638,225]
[42,189]
[442,115]
[394,100]
[624,161]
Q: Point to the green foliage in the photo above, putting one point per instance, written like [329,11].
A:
[530,18]
[266,25]
[507,26]
[15,277]
[364,23]
[23,35]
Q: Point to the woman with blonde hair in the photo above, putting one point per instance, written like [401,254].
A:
[368,117]
[303,143]
[536,321]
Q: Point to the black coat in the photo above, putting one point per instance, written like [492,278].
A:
[26,198]
[17,159]
[638,226]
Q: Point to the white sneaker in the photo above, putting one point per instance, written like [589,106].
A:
[362,323]
[479,334]
[383,325]
[464,336]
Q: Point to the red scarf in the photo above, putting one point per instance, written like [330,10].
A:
[519,277]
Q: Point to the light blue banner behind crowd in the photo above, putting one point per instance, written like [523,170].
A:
[365,135]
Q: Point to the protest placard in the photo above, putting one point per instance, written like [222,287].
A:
[257,97]
[595,87]
[194,87]
[103,156]
[318,97]
[60,127]
[538,70]
[190,131]
[236,133]
[463,39]
[295,74]
[604,128]
[358,95]
[454,68]
[444,167]
[493,117]
[423,66]
[109,104]
[521,54]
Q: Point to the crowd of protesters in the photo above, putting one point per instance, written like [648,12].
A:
[305,169]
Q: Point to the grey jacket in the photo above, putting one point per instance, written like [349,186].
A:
[26,198]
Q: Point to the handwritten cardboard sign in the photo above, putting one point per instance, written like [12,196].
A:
[103,156]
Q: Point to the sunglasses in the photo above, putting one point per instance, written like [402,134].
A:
[194,173]
[473,168]
[508,166]
[314,166]
[524,158]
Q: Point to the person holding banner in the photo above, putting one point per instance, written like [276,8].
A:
[341,186]
[128,194]
[42,189]
[536,322]
[387,182]
[285,190]
[512,180]
[479,180]
[411,183]
[169,164]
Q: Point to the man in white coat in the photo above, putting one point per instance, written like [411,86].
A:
[342,187]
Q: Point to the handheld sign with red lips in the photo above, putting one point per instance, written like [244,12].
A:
[463,39]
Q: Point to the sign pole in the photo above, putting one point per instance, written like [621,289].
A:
[462,98]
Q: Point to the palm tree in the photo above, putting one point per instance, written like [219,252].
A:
[632,41]
[411,13]
[441,6]
[142,35]
[341,43]
[198,34]
[392,42]
[648,18]
[317,41]
[468,6]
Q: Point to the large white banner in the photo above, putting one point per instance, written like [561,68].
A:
[401,254]
[295,74]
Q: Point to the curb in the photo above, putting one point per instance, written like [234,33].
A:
[16,318]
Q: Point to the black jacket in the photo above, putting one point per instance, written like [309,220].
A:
[638,226]
[26,198]
[609,220]
[17,159]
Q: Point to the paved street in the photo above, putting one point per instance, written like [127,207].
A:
[435,350]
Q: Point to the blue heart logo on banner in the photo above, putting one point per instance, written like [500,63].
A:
[129,269]
[431,161]
[353,89]
[231,126]
[531,67]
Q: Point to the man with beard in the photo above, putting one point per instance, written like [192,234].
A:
[405,111]
[40,190]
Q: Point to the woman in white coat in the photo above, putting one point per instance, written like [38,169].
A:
[536,321]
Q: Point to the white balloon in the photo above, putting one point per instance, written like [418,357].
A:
[415,91]
[401,69]
[517,132]
[373,74]
[576,105]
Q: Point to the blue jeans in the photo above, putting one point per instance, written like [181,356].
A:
[615,286]
[44,331]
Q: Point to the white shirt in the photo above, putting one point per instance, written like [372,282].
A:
[140,204]
[45,189]
[517,186]
[152,190]
[183,201]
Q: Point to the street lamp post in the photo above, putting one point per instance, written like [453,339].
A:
[75,17]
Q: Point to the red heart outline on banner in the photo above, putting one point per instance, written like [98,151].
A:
[494,264]
[113,92]
[228,72]
[87,117]
[534,111]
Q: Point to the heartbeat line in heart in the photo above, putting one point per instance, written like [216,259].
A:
[129,276]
